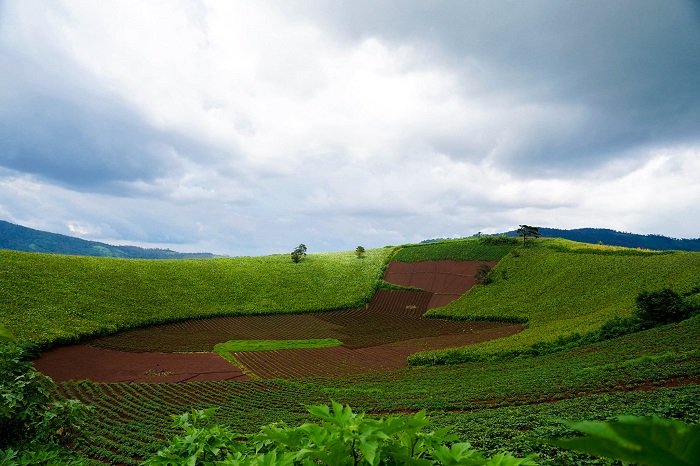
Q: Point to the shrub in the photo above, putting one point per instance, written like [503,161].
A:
[661,307]
[34,429]
[483,274]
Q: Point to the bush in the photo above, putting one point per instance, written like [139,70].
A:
[661,307]
[483,274]
[34,429]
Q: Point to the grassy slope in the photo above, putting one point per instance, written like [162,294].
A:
[494,404]
[49,298]
[486,249]
[563,287]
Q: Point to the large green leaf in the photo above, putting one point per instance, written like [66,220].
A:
[649,441]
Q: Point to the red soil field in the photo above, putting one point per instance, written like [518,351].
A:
[446,279]
[378,337]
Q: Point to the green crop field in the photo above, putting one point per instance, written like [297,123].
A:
[47,298]
[559,287]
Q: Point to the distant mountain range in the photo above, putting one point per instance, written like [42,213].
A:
[613,238]
[19,238]
[618,238]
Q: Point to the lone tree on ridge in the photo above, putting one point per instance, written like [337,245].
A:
[298,253]
[527,231]
[360,252]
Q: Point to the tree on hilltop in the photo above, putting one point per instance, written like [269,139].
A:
[360,252]
[298,253]
[526,231]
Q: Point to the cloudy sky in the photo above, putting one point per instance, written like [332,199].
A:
[248,127]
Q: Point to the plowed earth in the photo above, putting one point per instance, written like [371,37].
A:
[378,337]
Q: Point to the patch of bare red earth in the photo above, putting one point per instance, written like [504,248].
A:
[378,337]
[84,362]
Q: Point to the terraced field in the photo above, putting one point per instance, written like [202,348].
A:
[378,337]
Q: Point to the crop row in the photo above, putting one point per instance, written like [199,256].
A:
[391,316]
[494,405]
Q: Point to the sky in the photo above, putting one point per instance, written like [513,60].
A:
[249,127]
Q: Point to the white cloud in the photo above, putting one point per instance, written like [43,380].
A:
[242,128]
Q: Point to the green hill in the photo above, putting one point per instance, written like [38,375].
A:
[49,298]
[560,287]
[19,238]
[619,238]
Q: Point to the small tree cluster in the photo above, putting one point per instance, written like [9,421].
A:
[298,253]
[360,252]
[661,307]
[483,274]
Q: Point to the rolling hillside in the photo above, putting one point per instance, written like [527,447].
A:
[558,286]
[619,238]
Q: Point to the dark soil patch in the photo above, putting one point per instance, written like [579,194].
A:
[344,360]
[83,362]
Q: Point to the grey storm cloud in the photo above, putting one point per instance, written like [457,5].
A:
[248,127]
[623,73]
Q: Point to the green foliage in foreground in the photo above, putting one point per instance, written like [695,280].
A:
[268,345]
[51,299]
[645,441]
[34,429]
[342,438]
[487,248]
[346,438]
[564,288]
[495,405]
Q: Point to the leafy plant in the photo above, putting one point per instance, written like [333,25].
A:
[648,441]
[34,429]
[342,438]
[360,252]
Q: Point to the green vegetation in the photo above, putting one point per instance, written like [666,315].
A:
[268,345]
[346,438]
[581,357]
[48,299]
[486,248]
[298,253]
[35,429]
[495,405]
[527,231]
[648,441]
[342,438]
[564,288]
